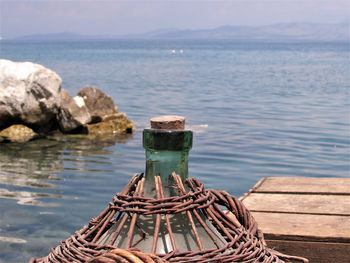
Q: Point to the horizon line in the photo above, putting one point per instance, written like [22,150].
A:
[133,35]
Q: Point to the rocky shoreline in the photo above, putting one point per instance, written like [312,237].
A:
[33,105]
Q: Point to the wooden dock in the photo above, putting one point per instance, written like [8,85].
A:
[308,217]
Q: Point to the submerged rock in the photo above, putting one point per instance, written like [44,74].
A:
[99,104]
[116,123]
[18,133]
[29,93]
[73,113]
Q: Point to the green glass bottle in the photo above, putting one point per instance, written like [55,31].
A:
[166,152]
[167,145]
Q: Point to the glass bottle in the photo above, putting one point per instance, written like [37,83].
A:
[167,145]
[166,152]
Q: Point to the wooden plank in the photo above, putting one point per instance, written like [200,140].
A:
[304,227]
[304,185]
[308,217]
[294,203]
[316,252]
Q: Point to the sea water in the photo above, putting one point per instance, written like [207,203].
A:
[256,109]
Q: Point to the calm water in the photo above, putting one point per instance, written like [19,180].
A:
[256,109]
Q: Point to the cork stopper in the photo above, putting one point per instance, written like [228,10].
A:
[168,122]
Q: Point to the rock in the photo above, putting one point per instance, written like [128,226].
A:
[117,123]
[29,93]
[18,133]
[98,103]
[73,113]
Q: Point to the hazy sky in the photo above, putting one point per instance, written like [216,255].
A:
[108,17]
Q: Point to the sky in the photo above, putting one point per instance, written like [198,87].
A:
[113,17]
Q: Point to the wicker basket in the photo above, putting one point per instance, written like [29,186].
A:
[215,212]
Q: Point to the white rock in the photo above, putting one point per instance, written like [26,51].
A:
[79,101]
[73,113]
[28,93]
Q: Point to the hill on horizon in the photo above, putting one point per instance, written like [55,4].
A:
[274,32]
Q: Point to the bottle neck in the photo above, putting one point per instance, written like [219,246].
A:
[166,152]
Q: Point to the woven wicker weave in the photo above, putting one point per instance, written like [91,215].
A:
[243,242]
[126,256]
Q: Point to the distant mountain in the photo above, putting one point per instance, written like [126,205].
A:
[289,31]
[56,36]
[274,32]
